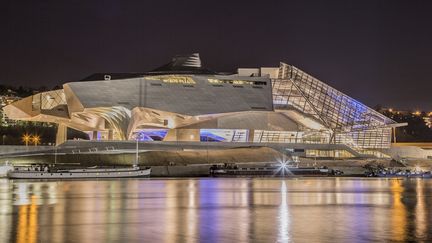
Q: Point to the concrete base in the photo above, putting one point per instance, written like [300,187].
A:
[410,151]
[180,171]
[152,158]
[11,149]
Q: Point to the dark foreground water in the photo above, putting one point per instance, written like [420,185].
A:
[216,210]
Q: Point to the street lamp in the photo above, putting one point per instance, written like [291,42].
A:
[138,136]
[26,139]
[36,140]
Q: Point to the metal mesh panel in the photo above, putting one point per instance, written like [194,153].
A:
[48,100]
[52,99]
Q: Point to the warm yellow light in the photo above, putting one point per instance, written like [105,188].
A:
[215,81]
[26,138]
[173,79]
[390,110]
[226,81]
[36,140]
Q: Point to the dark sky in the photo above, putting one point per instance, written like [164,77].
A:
[379,52]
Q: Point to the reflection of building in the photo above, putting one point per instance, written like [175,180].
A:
[182,101]
[5,100]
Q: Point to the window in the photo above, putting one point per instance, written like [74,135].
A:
[238,82]
[172,79]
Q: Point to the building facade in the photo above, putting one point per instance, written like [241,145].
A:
[182,101]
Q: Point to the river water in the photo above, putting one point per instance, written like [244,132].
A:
[216,210]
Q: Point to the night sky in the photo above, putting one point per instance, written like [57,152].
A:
[379,52]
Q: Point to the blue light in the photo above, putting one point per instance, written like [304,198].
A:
[208,136]
[152,135]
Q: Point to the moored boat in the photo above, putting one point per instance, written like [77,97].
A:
[272,171]
[44,172]
[398,173]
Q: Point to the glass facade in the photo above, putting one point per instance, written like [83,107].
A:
[315,153]
[347,120]
[261,136]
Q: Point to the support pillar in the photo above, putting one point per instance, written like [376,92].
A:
[251,134]
[61,135]
[95,135]
[110,134]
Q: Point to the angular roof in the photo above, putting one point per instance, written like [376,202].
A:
[335,109]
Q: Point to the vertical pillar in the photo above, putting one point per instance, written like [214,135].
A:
[110,134]
[61,135]
[251,136]
[95,135]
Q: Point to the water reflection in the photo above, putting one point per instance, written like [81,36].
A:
[420,211]
[283,235]
[216,210]
[398,211]
[28,222]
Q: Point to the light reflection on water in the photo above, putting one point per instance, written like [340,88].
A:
[216,210]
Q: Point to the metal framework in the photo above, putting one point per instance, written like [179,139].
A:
[48,100]
[348,121]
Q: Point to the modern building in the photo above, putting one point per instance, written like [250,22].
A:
[184,102]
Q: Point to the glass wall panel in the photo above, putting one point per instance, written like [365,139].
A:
[351,122]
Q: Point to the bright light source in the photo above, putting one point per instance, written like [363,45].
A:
[26,138]
[36,140]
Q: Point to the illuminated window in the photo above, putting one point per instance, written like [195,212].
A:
[216,81]
[172,79]
[235,82]
[328,153]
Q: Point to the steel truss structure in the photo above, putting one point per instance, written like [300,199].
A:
[347,120]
